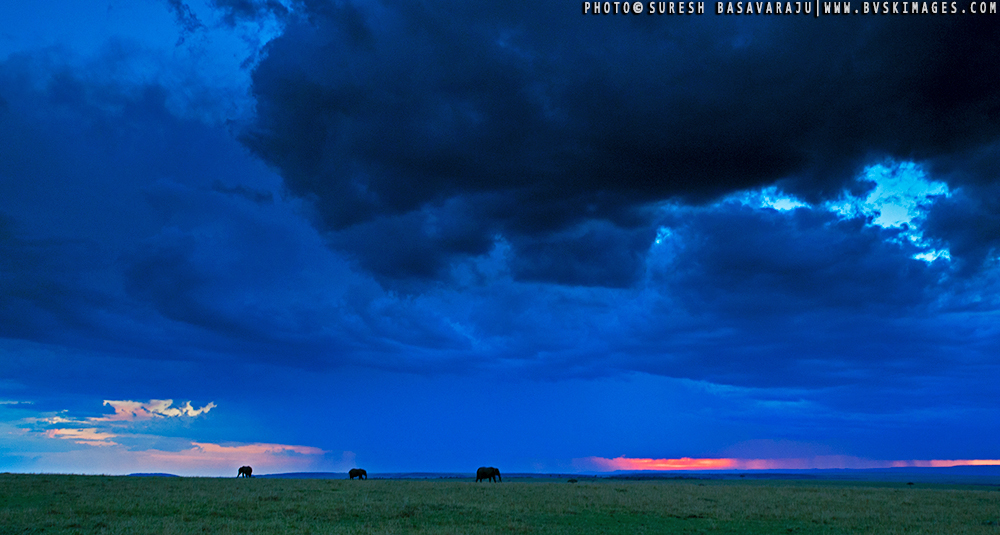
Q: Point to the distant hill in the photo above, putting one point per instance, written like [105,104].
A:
[154,475]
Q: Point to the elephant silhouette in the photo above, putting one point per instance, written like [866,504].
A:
[488,472]
[245,471]
[359,473]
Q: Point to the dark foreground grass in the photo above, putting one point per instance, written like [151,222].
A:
[101,504]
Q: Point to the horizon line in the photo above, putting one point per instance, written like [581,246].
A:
[602,465]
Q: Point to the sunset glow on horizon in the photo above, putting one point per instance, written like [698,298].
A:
[602,464]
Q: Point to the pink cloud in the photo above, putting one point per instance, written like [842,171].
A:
[602,464]
[126,411]
[90,437]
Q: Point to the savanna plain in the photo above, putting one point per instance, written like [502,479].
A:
[31,503]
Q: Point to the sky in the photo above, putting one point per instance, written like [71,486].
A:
[412,236]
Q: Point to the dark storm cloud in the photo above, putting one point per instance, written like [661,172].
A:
[252,10]
[48,285]
[418,244]
[760,262]
[525,170]
[106,191]
[805,299]
[968,224]
[495,212]
[196,257]
[376,110]
[591,254]
[160,237]
[254,195]
[186,19]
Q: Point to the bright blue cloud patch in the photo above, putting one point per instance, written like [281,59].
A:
[899,197]
[769,197]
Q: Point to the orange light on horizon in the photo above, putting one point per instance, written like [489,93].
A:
[603,464]
[683,463]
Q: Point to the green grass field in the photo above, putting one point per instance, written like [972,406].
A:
[103,504]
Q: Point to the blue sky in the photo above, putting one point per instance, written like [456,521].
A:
[429,236]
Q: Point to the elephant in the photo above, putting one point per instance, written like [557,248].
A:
[359,473]
[488,472]
[245,471]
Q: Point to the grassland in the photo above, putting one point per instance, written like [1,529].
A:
[103,504]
